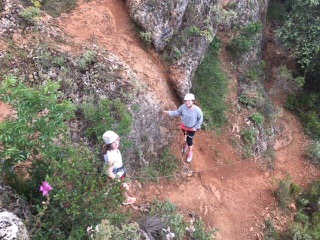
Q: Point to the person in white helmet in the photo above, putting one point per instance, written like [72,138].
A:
[191,120]
[113,161]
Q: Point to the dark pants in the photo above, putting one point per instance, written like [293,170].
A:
[190,136]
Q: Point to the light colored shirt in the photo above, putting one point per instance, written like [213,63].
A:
[189,117]
[113,157]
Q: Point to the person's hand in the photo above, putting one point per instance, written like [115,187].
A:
[193,129]
[166,112]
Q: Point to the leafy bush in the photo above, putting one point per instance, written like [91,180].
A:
[86,59]
[36,141]
[257,118]
[243,43]
[104,115]
[314,152]
[164,215]
[251,98]
[307,219]
[211,87]
[300,33]
[270,232]
[307,107]
[146,37]
[30,136]
[276,12]
[167,165]
[105,230]
[255,73]
[249,136]
[78,196]
[31,15]
[287,192]
[56,7]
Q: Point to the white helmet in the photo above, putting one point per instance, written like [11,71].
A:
[109,137]
[189,96]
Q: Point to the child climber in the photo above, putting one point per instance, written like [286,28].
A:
[113,161]
[191,120]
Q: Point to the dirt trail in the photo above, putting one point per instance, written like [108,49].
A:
[231,194]
[228,193]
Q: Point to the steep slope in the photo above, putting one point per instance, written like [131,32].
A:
[234,195]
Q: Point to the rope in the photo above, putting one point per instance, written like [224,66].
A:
[177,174]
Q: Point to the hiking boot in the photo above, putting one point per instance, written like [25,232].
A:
[189,158]
[184,149]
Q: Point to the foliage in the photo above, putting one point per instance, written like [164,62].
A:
[243,43]
[270,232]
[298,82]
[257,118]
[251,98]
[146,37]
[307,107]
[255,73]
[307,220]
[211,87]
[105,231]
[287,192]
[314,152]
[36,141]
[276,12]
[86,60]
[79,193]
[24,138]
[167,165]
[201,232]
[31,15]
[56,7]
[164,215]
[249,136]
[104,115]
[300,33]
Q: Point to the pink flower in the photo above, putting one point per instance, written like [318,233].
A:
[45,188]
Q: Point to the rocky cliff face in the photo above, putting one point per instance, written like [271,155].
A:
[13,211]
[183,29]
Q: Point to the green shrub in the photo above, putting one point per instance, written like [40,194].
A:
[56,7]
[86,60]
[255,73]
[167,165]
[257,118]
[104,115]
[146,37]
[251,98]
[105,230]
[276,12]
[307,107]
[314,152]
[300,33]
[37,137]
[31,15]
[270,232]
[249,136]
[201,231]
[79,194]
[243,43]
[307,218]
[29,136]
[211,87]
[287,192]
[164,215]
